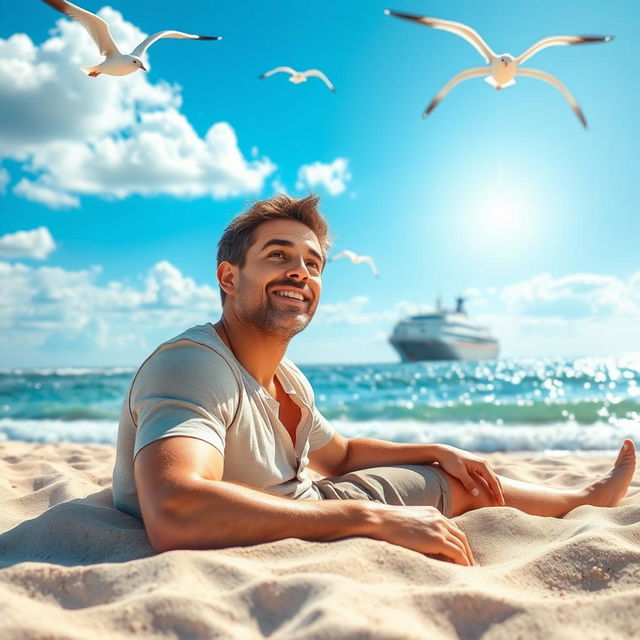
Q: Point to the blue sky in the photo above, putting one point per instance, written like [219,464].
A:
[114,191]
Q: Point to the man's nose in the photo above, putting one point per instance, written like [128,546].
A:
[298,269]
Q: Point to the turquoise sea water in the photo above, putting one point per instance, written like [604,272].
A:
[586,404]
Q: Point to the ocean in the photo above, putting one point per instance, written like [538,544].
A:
[551,405]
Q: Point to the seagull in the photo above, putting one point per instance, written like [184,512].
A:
[356,259]
[116,63]
[300,76]
[502,68]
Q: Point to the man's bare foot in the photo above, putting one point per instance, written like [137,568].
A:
[608,491]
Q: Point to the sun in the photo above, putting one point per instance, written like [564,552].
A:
[501,213]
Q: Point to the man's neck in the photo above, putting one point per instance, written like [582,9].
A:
[258,354]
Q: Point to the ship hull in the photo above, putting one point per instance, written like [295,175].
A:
[420,350]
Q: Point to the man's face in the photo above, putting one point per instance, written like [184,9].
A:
[283,264]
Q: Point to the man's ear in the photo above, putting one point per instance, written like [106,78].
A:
[227,275]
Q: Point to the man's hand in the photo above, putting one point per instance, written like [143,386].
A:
[470,470]
[421,529]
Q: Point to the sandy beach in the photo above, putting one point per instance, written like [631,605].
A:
[71,566]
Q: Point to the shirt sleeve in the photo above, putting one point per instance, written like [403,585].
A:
[321,431]
[184,389]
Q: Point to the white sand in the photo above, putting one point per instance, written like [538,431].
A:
[71,566]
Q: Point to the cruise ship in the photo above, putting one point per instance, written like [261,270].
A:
[443,335]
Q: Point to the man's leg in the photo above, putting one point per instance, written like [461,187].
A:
[541,500]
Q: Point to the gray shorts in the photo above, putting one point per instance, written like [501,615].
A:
[415,484]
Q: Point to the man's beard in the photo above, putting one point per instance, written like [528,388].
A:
[271,320]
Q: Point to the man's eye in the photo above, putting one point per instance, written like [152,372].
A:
[273,253]
[314,264]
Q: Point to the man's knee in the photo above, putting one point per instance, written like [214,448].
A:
[462,500]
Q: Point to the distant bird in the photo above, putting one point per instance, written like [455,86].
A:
[116,63]
[356,259]
[504,67]
[299,76]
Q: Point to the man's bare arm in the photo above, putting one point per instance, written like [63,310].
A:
[364,453]
[185,505]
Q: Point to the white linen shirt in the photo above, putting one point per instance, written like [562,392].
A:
[192,385]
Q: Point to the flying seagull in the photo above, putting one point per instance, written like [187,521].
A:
[300,76]
[356,259]
[502,68]
[116,63]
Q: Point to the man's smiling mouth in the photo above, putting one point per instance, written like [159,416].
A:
[290,295]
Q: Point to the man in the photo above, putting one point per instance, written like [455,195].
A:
[218,427]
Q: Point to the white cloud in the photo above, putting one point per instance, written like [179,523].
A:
[53,303]
[577,314]
[162,154]
[347,312]
[36,244]
[39,192]
[168,288]
[63,314]
[333,176]
[4,180]
[106,338]
[278,186]
[350,312]
[109,137]
[575,295]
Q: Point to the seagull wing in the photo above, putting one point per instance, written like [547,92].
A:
[462,30]
[318,74]
[147,42]
[553,41]
[343,254]
[547,77]
[98,29]
[369,260]
[463,75]
[278,70]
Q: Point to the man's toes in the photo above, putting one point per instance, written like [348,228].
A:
[626,453]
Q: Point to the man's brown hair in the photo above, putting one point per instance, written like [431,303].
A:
[238,236]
